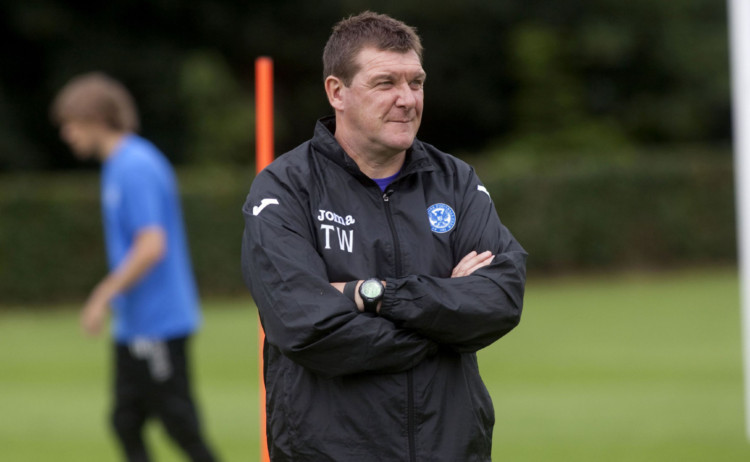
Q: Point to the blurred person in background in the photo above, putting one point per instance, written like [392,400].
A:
[379,267]
[150,286]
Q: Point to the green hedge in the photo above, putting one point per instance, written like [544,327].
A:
[51,243]
[647,214]
[641,213]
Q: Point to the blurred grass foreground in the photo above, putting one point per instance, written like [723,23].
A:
[634,367]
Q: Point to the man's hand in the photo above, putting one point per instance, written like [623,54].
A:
[148,249]
[94,312]
[472,262]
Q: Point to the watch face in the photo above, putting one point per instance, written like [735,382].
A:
[371,289]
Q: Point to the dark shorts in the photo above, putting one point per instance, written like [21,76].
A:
[152,380]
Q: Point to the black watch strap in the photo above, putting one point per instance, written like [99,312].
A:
[349,289]
[371,307]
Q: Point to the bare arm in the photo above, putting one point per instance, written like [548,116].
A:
[148,249]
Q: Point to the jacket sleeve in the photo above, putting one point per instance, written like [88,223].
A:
[311,322]
[465,313]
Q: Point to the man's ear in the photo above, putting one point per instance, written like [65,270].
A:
[334,89]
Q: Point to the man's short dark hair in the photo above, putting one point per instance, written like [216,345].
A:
[366,29]
[96,97]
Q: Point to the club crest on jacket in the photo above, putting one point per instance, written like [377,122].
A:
[442,218]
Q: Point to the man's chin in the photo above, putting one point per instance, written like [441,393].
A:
[402,143]
[402,138]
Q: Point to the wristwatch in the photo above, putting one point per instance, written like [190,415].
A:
[371,292]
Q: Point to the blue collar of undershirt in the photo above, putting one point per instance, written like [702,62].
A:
[384,182]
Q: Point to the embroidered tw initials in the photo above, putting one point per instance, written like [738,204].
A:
[346,241]
[345,236]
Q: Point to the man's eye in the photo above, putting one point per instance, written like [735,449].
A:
[417,84]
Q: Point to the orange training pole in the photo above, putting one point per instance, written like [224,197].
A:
[263,112]
[263,157]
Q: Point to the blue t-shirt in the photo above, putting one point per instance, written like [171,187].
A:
[139,190]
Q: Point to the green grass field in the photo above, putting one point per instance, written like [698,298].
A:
[613,368]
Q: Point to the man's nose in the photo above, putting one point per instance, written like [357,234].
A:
[406,97]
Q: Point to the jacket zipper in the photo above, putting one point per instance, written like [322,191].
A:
[396,244]
[410,418]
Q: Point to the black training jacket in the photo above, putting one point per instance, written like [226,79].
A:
[404,385]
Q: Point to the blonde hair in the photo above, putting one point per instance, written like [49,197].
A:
[96,97]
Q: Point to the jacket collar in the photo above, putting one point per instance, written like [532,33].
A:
[325,143]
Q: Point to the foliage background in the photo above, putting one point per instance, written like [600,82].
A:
[598,75]
[601,127]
